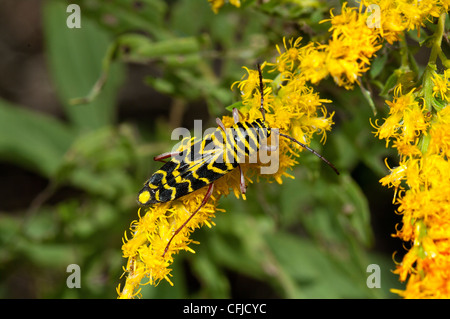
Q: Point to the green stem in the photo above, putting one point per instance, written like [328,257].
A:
[445,61]
[431,67]
[439,33]
[404,52]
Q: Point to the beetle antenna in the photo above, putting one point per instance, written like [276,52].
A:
[312,151]
[261,90]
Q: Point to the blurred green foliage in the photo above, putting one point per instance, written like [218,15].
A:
[308,238]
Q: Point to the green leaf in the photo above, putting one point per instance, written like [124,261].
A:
[378,65]
[31,139]
[75,61]
[236,105]
[124,15]
[42,226]
[355,209]
[52,255]
[99,161]
[9,227]
[139,48]
[390,84]
[210,276]
[316,275]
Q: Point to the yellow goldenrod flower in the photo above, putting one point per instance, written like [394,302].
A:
[424,198]
[415,12]
[406,148]
[345,57]
[351,46]
[291,55]
[354,41]
[441,86]
[248,84]
[406,121]
[395,176]
[401,101]
[397,16]
[312,63]
[418,125]
[440,138]
[414,123]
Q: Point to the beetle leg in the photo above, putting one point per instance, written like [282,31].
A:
[271,148]
[235,115]
[162,156]
[204,201]
[242,183]
[220,123]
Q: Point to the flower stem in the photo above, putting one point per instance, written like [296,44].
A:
[431,67]
[439,33]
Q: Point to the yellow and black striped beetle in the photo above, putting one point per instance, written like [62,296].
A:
[205,161]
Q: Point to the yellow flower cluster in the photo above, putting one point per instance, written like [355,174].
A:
[345,57]
[293,107]
[356,36]
[348,52]
[418,127]
[397,16]
[421,136]
[441,87]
